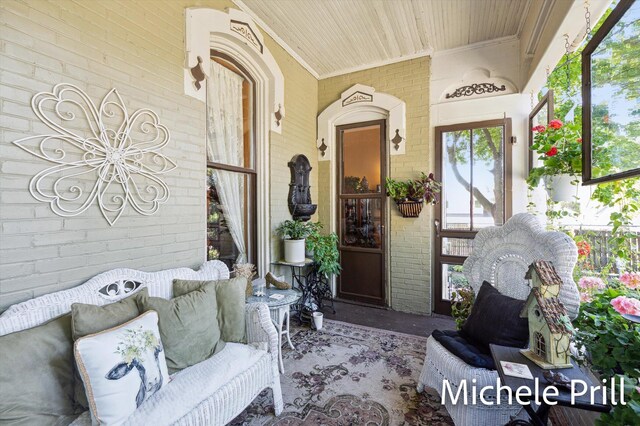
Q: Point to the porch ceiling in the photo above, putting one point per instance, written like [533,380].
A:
[334,36]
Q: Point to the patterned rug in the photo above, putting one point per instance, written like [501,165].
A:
[348,374]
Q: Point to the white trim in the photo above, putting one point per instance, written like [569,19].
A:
[267,29]
[210,28]
[392,108]
[475,46]
[420,54]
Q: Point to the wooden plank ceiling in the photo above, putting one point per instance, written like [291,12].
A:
[338,35]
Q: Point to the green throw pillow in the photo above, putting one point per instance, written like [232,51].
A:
[231,300]
[36,375]
[188,326]
[90,319]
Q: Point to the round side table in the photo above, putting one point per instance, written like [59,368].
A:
[279,310]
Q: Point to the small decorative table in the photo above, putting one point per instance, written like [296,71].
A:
[314,286]
[279,310]
[540,416]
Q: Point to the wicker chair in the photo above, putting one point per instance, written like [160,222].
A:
[501,255]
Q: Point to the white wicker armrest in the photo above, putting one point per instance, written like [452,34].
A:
[260,328]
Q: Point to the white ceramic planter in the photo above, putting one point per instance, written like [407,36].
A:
[294,251]
[317,320]
[560,187]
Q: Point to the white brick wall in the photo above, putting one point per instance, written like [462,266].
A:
[138,48]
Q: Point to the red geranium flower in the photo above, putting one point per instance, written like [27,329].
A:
[553,151]
[555,124]
[583,248]
[579,140]
[539,129]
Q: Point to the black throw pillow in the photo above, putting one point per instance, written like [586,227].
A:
[495,319]
[460,347]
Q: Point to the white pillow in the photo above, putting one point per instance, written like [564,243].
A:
[121,367]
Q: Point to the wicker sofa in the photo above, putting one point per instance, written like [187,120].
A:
[212,392]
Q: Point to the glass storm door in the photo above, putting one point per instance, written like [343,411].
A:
[473,162]
[361,204]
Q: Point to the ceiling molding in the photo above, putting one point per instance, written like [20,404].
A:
[377,64]
[475,46]
[539,26]
[276,38]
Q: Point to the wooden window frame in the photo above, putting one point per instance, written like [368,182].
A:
[603,31]
[547,100]
[252,213]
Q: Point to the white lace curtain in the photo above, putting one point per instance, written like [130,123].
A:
[225,145]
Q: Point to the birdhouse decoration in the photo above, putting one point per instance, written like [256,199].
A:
[549,335]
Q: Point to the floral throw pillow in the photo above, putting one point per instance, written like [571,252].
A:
[122,367]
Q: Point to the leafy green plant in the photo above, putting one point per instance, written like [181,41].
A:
[463,298]
[424,188]
[296,229]
[612,347]
[325,251]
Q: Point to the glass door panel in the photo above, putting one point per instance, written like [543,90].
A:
[473,166]
[361,223]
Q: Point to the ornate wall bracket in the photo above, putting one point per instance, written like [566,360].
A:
[100,154]
[198,74]
[476,89]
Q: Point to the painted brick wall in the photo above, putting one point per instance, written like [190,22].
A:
[137,47]
[410,242]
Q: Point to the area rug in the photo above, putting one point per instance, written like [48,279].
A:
[348,374]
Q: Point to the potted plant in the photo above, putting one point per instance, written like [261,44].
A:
[560,150]
[410,195]
[325,251]
[294,233]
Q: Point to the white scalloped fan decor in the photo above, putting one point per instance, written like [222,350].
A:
[101,155]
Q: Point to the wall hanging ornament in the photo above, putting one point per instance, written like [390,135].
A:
[99,154]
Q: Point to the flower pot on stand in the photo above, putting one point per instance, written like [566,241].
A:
[560,187]
[294,251]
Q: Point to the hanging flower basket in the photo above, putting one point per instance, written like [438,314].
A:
[410,208]
[560,187]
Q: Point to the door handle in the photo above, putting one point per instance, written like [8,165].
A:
[436,224]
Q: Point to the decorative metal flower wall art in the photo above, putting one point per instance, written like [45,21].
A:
[100,154]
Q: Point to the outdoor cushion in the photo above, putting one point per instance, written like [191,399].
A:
[230,296]
[463,349]
[121,368]
[188,326]
[89,319]
[495,318]
[36,375]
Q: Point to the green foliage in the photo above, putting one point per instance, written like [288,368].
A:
[424,188]
[463,298]
[612,345]
[325,252]
[296,229]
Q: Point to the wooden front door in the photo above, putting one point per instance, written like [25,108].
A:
[473,162]
[361,208]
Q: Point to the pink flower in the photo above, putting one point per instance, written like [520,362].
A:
[585,297]
[555,124]
[591,283]
[553,151]
[626,305]
[631,279]
[539,129]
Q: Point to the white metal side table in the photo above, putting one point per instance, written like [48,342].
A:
[279,310]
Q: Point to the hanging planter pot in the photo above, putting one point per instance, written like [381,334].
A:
[294,251]
[560,187]
[410,208]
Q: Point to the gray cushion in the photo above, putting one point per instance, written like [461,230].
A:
[89,319]
[230,296]
[188,326]
[36,375]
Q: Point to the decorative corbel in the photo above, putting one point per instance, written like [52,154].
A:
[198,74]
[396,140]
[279,114]
[323,147]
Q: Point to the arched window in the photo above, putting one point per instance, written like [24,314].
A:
[540,346]
[231,163]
